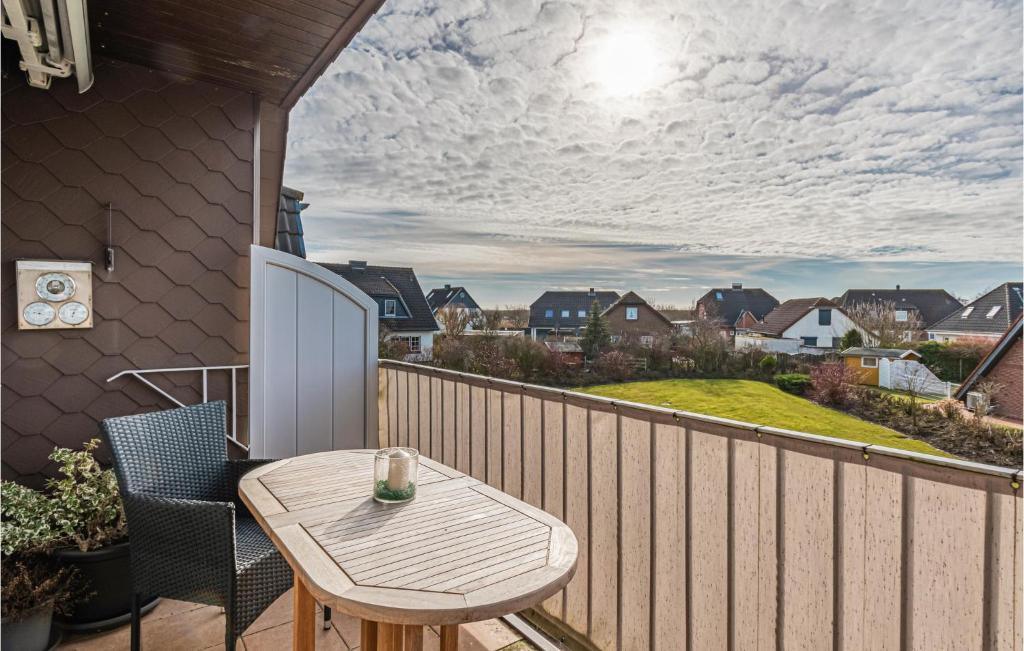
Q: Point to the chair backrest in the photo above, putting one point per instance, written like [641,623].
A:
[177,453]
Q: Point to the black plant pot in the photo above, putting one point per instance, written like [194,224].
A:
[107,574]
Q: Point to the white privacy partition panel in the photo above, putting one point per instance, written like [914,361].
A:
[313,370]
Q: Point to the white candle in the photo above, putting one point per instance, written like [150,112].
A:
[398,470]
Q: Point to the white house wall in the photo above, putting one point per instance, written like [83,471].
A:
[828,336]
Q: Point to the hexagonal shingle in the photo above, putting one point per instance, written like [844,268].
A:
[148,246]
[76,207]
[111,301]
[182,268]
[182,336]
[31,143]
[148,213]
[215,320]
[214,253]
[149,143]
[72,393]
[72,167]
[149,108]
[147,284]
[30,377]
[74,131]
[183,302]
[149,178]
[148,319]
[26,343]
[71,430]
[111,154]
[148,353]
[112,118]
[30,181]
[30,415]
[110,337]
[183,200]
[29,454]
[32,220]
[72,356]
[185,167]
[181,233]
[216,352]
[183,132]
[72,243]
[111,404]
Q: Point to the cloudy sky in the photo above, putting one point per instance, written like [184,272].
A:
[668,146]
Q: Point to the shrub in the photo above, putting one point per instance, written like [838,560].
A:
[768,363]
[852,339]
[950,408]
[88,510]
[831,383]
[31,585]
[796,383]
[613,365]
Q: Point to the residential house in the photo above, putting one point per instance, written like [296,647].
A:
[736,307]
[921,306]
[801,325]
[403,310]
[633,317]
[1004,368]
[866,361]
[987,317]
[564,313]
[453,298]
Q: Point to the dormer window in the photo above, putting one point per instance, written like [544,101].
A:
[390,307]
[966,313]
[632,314]
[901,315]
[994,311]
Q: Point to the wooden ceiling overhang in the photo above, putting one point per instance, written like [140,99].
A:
[275,49]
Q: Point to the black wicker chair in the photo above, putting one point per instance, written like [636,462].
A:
[191,537]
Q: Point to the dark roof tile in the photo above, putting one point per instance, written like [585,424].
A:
[391,282]
[781,318]
[931,304]
[981,316]
[573,301]
[729,303]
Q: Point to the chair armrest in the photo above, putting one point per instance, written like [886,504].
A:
[236,470]
[182,549]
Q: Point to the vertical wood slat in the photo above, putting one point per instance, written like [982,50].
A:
[512,443]
[495,449]
[807,553]
[402,397]
[478,433]
[554,489]
[435,419]
[382,409]
[744,523]
[577,515]
[709,541]
[635,527]
[463,409]
[448,423]
[392,407]
[883,527]
[412,409]
[533,449]
[669,566]
[604,530]
[423,410]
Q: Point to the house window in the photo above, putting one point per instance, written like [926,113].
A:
[901,315]
[824,317]
[966,313]
[869,362]
[809,341]
[718,296]
[632,313]
[931,336]
[565,314]
[411,343]
[994,311]
[646,340]
[390,305]
[549,314]
[582,314]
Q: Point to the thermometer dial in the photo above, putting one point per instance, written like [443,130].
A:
[38,313]
[73,313]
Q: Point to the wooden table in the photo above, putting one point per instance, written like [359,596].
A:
[462,551]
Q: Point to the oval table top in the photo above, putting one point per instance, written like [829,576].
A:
[461,551]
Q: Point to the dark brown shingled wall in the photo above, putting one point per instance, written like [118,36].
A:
[174,156]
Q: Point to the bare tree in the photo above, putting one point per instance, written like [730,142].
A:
[454,320]
[887,323]
[704,343]
[915,383]
[515,317]
[986,390]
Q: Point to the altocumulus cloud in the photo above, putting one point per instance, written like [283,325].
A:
[846,131]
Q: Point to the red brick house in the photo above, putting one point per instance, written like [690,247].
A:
[1004,366]
[632,316]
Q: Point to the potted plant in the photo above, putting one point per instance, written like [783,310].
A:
[92,539]
[32,587]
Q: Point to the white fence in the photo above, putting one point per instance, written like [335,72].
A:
[908,375]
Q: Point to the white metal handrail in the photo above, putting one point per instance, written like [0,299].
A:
[139,374]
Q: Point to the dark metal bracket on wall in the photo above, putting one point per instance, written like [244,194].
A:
[108,252]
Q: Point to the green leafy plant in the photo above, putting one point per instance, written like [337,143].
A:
[795,383]
[768,363]
[28,523]
[595,336]
[88,512]
[852,339]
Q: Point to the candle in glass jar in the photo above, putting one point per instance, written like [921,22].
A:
[398,470]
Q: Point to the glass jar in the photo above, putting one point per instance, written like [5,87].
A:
[394,474]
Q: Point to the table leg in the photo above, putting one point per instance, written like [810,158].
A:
[389,637]
[303,617]
[450,637]
[367,635]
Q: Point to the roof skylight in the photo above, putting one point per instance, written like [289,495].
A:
[994,311]
[966,313]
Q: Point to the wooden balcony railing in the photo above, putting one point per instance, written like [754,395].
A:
[704,533]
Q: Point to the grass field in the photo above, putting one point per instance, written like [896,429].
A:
[759,403]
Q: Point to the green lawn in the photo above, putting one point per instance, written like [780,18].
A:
[759,403]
